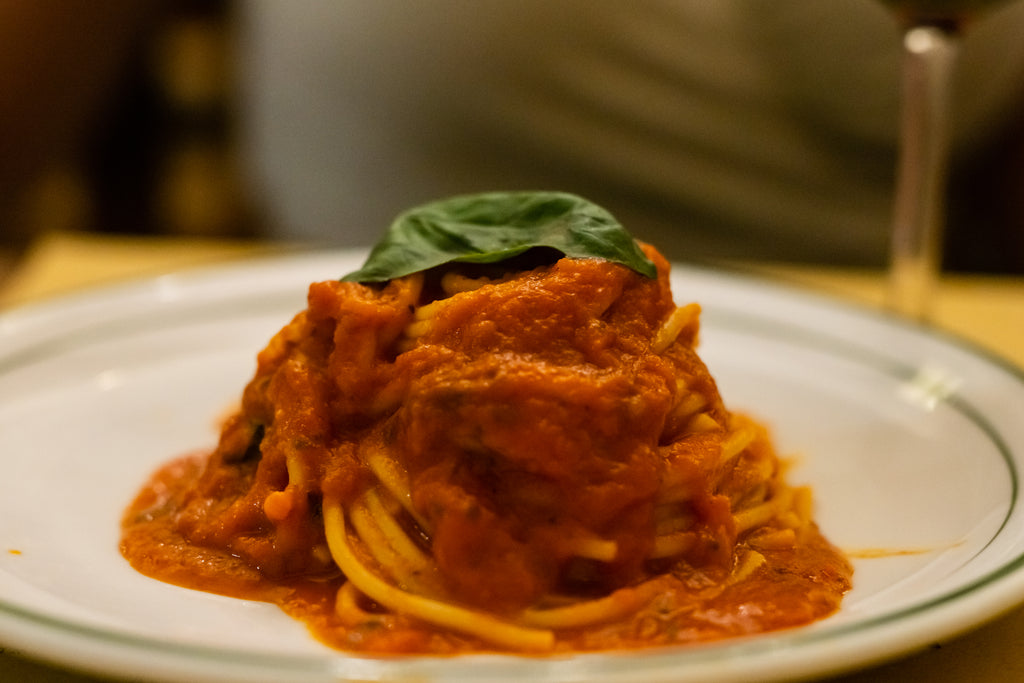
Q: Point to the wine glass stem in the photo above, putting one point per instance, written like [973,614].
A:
[929,58]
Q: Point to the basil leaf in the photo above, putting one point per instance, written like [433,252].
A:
[495,226]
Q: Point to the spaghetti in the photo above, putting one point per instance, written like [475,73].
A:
[469,459]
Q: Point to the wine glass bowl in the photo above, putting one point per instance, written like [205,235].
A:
[942,13]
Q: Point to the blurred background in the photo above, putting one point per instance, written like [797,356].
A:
[751,129]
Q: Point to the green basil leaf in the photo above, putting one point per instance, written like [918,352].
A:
[495,226]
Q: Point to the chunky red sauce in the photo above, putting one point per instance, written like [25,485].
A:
[540,439]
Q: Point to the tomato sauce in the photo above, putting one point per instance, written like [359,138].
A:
[547,453]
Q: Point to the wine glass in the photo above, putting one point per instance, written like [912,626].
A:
[932,31]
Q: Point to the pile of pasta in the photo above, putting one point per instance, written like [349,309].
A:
[492,459]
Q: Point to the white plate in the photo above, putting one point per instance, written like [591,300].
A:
[912,442]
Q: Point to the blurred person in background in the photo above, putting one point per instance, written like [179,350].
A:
[60,64]
[754,129]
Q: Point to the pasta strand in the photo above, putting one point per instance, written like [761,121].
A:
[393,478]
[614,606]
[396,535]
[457,618]
[673,325]
[408,576]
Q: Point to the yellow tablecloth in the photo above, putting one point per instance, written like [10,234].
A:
[987,311]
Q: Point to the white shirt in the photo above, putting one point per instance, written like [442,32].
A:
[736,128]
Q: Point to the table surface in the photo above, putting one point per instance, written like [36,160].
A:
[988,311]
